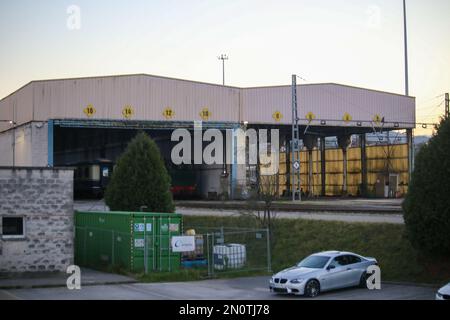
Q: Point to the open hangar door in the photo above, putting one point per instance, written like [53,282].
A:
[94,151]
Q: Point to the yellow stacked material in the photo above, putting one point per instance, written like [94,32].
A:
[382,159]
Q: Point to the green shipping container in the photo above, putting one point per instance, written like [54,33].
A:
[133,241]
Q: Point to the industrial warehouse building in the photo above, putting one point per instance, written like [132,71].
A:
[69,121]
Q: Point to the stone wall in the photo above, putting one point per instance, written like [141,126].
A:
[44,198]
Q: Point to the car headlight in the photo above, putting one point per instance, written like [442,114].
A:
[439,295]
[271,280]
[297,281]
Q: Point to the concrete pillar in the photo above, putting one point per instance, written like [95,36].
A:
[310,143]
[50,143]
[344,142]
[363,145]
[323,166]
[238,170]
[409,138]
[231,159]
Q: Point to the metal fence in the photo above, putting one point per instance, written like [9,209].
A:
[217,251]
[231,250]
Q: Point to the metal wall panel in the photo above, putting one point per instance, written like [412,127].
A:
[330,102]
[150,95]
[17,106]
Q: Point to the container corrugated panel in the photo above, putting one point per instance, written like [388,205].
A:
[118,239]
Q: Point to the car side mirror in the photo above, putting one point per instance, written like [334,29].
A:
[331,267]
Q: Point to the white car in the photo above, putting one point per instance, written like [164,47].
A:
[443,293]
[323,271]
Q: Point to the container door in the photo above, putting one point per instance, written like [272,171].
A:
[166,259]
[143,242]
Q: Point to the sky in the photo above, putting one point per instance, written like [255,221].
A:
[353,42]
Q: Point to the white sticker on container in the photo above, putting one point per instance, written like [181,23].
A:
[183,244]
[138,243]
[149,227]
[138,227]
[173,227]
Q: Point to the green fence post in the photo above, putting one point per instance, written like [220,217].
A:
[112,248]
[212,247]
[208,249]
[84,245]
[269,259]
[145,246]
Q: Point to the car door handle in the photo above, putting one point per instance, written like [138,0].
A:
[349,269]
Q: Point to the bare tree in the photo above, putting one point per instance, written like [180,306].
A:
[260,203]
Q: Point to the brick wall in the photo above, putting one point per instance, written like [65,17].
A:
[44,198]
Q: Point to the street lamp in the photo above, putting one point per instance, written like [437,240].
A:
[223,57]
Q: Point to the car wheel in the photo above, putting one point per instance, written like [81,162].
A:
[363,280]
[312,288]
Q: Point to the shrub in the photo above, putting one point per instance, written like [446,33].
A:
[140,179]
[427,204]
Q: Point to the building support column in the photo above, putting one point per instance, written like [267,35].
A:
[323,171]
[310,173]
[287,164]
[363,146]
[232,160]
[50,125]
[344,182]
[344,143]
[409,138]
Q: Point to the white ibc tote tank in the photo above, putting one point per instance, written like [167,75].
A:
[229,256]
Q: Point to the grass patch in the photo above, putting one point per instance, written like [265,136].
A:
[293,240]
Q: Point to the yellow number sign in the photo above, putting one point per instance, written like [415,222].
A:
[89,110]
[310,116]
[377,118]
[168,113]
[277,115]
[205,114]
[347,117]
[127,111]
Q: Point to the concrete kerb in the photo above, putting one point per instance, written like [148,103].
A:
[54,280]
[59,285]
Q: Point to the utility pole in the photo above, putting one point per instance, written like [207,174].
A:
[405,30]
[223,57]
[409,132]
[295,147]
[447,106]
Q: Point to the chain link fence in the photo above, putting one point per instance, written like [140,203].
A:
[217,250]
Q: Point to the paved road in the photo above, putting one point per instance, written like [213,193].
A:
[99,205]
[254,288]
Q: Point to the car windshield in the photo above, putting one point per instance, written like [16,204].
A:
[314,262]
